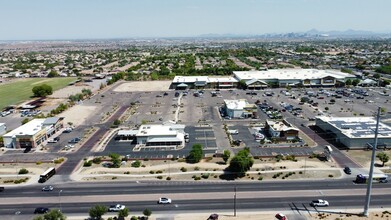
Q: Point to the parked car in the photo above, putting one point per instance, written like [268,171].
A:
[74,140]
[347,170]
[47,188]
[68,130]
[213,217]
[116,208]
[281,216]
[54,140]
[41,210]
[164,201]
[319,202]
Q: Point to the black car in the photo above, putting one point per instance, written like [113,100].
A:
[41,210]
[74,140]
[347,170]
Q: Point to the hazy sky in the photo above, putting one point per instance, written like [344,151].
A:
[70,19]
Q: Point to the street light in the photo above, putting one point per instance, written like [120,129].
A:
[59,198]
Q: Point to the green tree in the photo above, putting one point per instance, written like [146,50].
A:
[195,154]
[115,160]
[355,82]
[97,211]
[241,162]
[53,214]
[154,76]
[376,75]
[123,213]
[147,212]
[53,73]
[383,157]
[348,82]
[23,171]
[226,155]
[42,90]
[242,84]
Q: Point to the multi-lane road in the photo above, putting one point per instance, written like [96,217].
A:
[77,198]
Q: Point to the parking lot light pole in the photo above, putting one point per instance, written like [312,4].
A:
[235,201]
[369,186]
[59,198]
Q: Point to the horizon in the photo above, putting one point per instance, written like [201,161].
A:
[75,20]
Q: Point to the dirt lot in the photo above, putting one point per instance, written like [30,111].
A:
[261,170]
[363,157]
[143,86]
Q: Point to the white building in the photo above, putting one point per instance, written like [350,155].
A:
[199,82]
[33,133]
[239,108]
[166,134]
[355,132]
[281,129]
[293,77]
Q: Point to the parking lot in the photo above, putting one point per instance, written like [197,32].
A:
[199,110]
[204,123]
[197,135]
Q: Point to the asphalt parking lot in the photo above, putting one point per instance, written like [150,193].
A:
[197,135]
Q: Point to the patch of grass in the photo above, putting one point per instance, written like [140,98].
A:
[21,90]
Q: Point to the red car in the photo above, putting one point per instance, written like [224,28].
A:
[281,216]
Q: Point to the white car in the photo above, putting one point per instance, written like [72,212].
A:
[116,208]
[319,202]
[164,201]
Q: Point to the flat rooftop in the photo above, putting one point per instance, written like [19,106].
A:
[30,128]
[286,74]
[358,127]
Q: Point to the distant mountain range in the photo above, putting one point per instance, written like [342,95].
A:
[313,33]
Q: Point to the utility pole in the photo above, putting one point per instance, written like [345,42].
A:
[235,201]
[369,186]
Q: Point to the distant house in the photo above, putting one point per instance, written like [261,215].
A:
[281,129]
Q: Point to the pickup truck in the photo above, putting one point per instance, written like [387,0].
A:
[319,202]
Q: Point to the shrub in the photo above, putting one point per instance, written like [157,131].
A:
[331,175]
[136,164]
[151,172]
[87,163]
[183,169]
[196,168]
[97,160]
[159,171]
[159,177]
[260,178]
[38,162]
[168,178]
[23,171]
[197,178]
[205,175]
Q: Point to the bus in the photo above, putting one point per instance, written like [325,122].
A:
[46,175]
[377,178]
